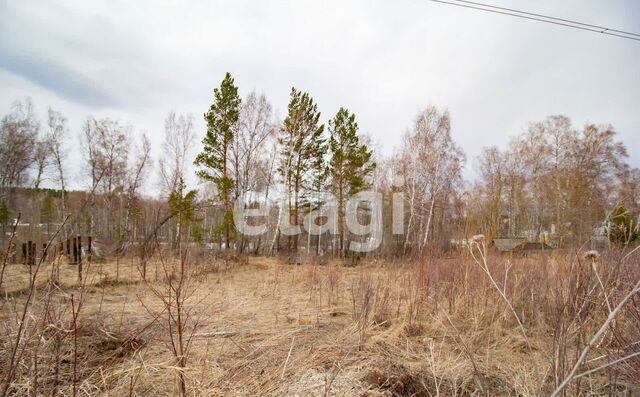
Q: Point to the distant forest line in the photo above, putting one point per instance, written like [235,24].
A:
[555,183]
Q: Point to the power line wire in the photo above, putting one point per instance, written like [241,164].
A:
[602,28]
[541,18]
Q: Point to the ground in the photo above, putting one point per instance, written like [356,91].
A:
[262,327]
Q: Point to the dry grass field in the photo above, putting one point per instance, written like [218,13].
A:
[257,326]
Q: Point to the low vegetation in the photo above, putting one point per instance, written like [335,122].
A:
[473,323]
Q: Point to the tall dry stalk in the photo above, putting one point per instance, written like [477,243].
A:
[16,352]
[176,291]
[478,246]
[5,260]
[573,374]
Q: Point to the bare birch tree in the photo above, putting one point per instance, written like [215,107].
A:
[179,136]
[137,174]
[432,166]
[106,144]
[256,125]
[56,137]
[41,160]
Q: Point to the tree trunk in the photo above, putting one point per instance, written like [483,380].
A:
[428,227]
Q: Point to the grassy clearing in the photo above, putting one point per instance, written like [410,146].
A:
[430,327]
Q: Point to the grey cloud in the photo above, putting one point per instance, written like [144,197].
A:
[382,60]
[65,82]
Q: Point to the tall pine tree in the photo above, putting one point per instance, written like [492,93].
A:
[222,123]
[350,163]
[317,183]
[302,146]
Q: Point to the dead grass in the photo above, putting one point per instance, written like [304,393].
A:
[434,327]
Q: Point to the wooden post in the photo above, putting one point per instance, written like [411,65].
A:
[30,245]
[89,248]
[29,252]
[34,252]
[80,257]
[44,252]
[69,249]
[24,253]
[75,250]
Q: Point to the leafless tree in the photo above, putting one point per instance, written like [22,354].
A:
[492,175]
[628,191]
[41,160]
[179,137]
[553,182]
[56,138]
[179,310]
[135,180]
[106,143]
[256,125]
[431,166]
[18,134]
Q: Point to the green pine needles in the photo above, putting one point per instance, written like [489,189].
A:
[302,153]
[350,163]
[222,124]
[309,161]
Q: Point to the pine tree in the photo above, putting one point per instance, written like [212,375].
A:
[350,163]
[622,228]
[302,145]
[319,174]
[221,119]
[182,204]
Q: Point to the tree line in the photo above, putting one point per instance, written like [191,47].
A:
[554,183]
[558,183]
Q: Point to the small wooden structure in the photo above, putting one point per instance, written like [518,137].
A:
[29,253]
[74,251]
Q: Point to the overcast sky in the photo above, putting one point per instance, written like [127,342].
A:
[384,60]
